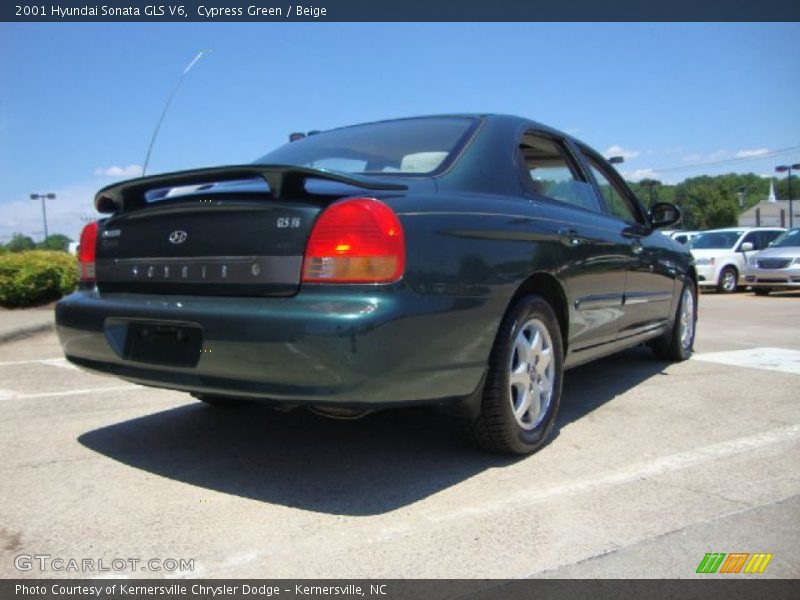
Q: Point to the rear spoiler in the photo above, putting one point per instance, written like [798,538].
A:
[283,181]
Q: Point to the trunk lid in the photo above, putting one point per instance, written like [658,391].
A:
[222,231]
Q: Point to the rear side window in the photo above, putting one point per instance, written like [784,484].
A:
[715,240]
[549,172]
[406,146]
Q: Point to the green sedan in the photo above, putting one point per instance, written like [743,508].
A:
[464,261]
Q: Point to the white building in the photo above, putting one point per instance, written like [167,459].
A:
[770,212]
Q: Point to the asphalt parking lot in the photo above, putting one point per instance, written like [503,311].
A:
[652,466]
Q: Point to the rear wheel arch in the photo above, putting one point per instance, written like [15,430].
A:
[692,273]
[550,289]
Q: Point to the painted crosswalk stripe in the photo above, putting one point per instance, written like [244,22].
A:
[770,359]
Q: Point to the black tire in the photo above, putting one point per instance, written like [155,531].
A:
[723,285]
[221,401]
[672,345]
[762,291]
[496,428]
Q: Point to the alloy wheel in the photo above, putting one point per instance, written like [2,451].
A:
[729,280]
[687,319]
[531,374]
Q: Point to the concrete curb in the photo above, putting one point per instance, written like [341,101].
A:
[25,331]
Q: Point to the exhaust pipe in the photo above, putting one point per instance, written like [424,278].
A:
[340,414]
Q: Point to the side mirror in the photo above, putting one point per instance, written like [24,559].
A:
[746,247]
[664,214]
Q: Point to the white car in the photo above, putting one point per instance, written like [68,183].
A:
[720,255]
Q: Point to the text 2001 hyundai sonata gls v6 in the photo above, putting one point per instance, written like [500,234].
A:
[460,260]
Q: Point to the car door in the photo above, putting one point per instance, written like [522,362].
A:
[759,241]
[591,256]
[652,267]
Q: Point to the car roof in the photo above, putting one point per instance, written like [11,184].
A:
[522,121]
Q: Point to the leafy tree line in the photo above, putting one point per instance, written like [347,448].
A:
[20,242]
[709,202]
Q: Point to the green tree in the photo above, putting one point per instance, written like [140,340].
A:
[56,241]
[782,187]
[20,242]
[709,202]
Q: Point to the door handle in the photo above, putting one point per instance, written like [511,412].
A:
[636,246]
[570,237]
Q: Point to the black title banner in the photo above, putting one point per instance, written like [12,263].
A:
[394,589]
[398,10]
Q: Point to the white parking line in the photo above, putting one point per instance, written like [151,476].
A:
[9,395]
[770,359]
[62,363]
[59,361]
[644,470]
[530,496]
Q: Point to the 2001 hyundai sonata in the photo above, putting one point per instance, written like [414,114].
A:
[463,260]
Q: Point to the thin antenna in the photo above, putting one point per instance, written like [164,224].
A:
[166,106]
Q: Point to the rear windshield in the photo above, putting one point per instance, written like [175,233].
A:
[715,240]
[790,239]
[407,146]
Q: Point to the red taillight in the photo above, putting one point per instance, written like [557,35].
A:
[359,240]
[86,251]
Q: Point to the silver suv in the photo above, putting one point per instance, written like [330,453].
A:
[777,267]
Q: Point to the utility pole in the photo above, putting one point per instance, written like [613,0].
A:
[788,169]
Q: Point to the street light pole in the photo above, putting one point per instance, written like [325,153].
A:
[649,183]
[44,197]
[788,169]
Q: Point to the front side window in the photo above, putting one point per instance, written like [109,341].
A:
[419,146]
[754,238]
[549,172]
[613,198]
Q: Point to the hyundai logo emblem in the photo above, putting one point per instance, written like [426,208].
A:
[178,236]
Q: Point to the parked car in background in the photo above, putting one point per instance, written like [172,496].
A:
[777,267]
[463,261]
[720,255]
[683,237]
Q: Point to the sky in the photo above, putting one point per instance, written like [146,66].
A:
[79,102]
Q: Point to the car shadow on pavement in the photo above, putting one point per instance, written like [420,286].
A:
[382,462]
[590,386]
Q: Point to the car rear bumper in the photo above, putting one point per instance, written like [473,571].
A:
[773,278]
[367,348]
